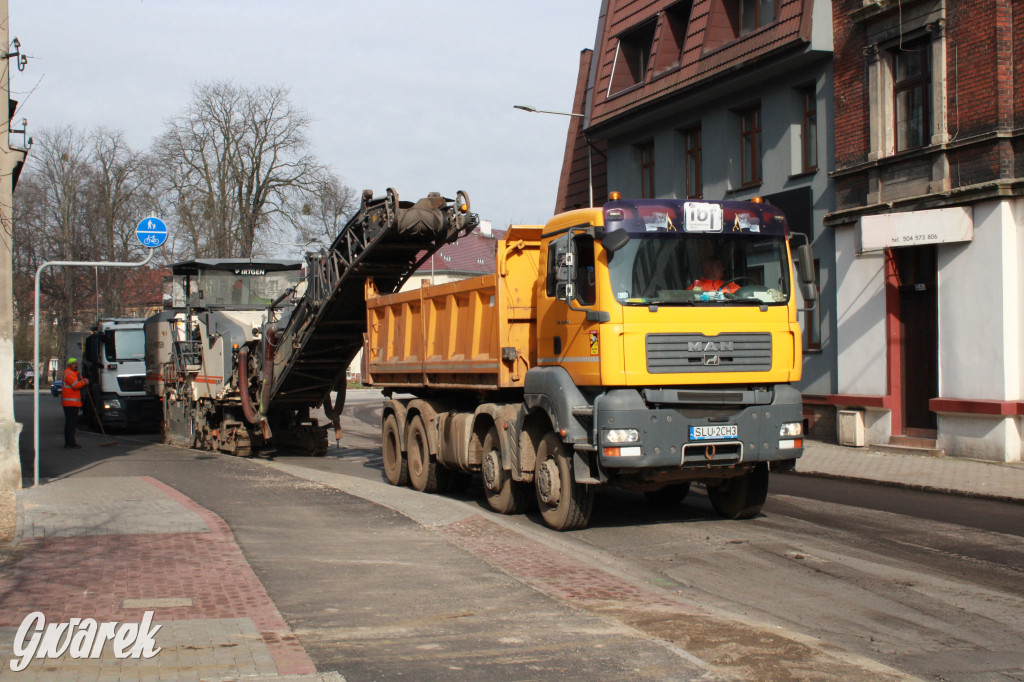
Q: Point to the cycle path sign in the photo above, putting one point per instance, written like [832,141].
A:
[151,232]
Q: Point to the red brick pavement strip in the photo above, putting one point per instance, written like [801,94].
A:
[552,571]
[90,576]
[730,648]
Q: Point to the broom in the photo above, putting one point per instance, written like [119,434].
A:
[99,422]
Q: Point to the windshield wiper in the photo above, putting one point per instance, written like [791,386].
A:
[655,302]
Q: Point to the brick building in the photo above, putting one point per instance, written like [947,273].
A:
[927,224]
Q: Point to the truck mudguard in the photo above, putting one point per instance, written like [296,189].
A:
[552,390]
[507,420]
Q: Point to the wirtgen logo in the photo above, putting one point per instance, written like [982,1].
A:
[82,638]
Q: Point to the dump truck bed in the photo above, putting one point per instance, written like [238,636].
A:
[477,333]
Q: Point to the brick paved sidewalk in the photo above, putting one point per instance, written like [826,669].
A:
[942,474]
[111,549]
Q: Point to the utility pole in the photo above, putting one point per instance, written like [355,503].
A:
[10,462]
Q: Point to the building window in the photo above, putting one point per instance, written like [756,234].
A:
[809,130]
[632,57]
[646,151]
[750,146]
[673,37]
[694,183]
[912,90]
[755,13]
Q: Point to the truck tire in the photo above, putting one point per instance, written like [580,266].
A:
[396,470]
[504,495]
[669,496]
[564,503]
[425,474]
[743,496]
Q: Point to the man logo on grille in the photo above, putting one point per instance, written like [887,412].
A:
[711,359]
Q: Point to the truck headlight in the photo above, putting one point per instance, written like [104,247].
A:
[621,436]
[112,404]
[791,430]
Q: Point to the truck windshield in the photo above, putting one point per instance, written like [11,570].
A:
[129,344]
[687,269]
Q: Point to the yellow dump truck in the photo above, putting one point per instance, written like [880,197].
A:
[646,344]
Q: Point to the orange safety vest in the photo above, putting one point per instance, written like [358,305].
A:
[709,285]
[71,393]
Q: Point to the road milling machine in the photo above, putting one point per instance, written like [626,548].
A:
[250,347]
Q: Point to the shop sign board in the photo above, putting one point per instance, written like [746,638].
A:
[916,228]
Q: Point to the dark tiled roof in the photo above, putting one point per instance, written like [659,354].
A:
[703,55]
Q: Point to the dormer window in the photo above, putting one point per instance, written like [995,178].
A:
[673,37]
[755,13]
[632,57]
[730,20]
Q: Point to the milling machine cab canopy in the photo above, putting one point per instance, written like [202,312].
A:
[233,283]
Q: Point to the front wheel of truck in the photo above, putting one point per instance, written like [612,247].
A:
[740,497]
[564,503]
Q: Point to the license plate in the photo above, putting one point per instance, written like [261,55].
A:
[716,432]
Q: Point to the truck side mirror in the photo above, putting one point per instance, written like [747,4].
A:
[805,258]
[565,291]
[565,271]
[809,291]
[613,241]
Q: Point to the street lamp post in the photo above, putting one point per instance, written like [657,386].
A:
[586,138]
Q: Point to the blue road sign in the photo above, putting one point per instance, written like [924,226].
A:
[151,232]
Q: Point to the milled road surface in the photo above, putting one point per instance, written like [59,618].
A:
[835,579]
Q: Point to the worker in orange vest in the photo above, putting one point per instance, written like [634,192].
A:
[71,400]
[712,280]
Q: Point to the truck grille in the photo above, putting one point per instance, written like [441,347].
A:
[129,384]
[673,353]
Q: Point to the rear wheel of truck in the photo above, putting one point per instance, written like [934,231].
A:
[564,503]
[669,496]
[395,468]
[504,495]
[743,496]
[425,474]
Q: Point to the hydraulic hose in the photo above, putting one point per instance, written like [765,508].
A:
[243,387]
[269,340]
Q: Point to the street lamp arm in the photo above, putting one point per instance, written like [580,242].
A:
[535,110]
[590,146]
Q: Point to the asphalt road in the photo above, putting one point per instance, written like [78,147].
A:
[928,585]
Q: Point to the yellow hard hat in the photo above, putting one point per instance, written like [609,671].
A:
[72,361]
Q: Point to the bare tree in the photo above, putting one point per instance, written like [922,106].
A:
[121,192]
[63,173]
[79,198]
[324,211]
[231,162]
[28,225]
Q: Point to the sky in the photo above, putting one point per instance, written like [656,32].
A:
[411,94]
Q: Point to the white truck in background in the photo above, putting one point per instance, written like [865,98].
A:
[114,360]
